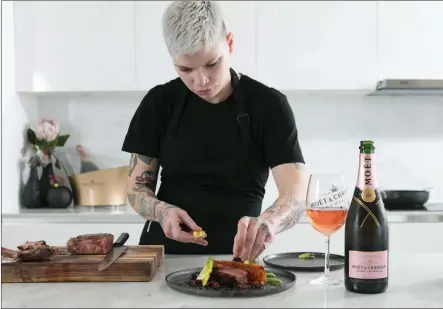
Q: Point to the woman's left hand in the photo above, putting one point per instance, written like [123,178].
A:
[253,237]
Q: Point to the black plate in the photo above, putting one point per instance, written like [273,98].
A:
[179,281]
[291,261]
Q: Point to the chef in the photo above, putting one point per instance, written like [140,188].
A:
[216,133]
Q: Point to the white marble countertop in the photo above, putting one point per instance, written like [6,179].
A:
[416,280]
[125,214]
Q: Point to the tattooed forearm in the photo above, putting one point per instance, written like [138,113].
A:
[284,213]
[291,180]
[141,187]
[144,201]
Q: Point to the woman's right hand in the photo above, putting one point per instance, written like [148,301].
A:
[170,217]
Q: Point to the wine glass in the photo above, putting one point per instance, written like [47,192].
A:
[327,208]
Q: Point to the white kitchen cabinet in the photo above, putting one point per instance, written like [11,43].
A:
[74,46]
[306,45]
[410,39]
[154,65]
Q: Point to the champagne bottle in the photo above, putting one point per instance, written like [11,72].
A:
[366,231]
[86,165]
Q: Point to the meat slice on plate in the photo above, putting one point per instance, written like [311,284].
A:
[91,244]
[229,275]
[256,273]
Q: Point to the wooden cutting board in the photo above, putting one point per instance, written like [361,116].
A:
[136,264]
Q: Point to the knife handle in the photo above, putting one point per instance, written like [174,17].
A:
[121,240]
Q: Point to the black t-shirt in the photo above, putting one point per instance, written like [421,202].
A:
[272,122]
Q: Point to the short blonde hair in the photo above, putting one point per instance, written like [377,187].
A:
[189,26]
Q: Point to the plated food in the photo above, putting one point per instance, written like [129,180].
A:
[238,275]
[303,261]
[306,256]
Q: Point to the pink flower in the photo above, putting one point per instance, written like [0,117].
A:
[46,129]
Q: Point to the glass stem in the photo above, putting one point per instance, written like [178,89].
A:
[327,271]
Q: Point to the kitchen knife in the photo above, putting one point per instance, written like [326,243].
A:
[117,249]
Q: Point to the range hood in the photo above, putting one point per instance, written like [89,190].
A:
[413,87]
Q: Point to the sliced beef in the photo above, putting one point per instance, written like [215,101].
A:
[36,253]
[232,276]
[91,244]
[256,273]
[35,244]
[31,245]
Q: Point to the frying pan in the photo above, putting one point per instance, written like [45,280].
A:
[405,199]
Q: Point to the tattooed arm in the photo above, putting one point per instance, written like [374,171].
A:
[254,234]
[292,183]
[142,181]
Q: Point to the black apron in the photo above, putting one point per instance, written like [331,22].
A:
[217,213]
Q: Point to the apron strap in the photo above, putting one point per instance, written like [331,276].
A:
[242,116]
[244,123]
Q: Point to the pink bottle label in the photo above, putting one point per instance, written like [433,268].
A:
[368,265]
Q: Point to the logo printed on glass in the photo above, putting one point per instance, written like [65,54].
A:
[335,198]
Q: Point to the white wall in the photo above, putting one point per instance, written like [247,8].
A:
[16,110]
[408,133]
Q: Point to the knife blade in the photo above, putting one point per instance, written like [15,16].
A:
[117,249]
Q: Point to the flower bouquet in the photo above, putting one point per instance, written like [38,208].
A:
[44,136]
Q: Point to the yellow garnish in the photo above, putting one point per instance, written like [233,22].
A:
[249,262]
[199,234]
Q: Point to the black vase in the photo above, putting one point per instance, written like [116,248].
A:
[59,197]
[45,184]
[31,191]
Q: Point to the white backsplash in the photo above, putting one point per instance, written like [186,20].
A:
[408,134]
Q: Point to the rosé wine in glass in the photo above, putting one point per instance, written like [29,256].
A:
[327,222]
[327,209]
